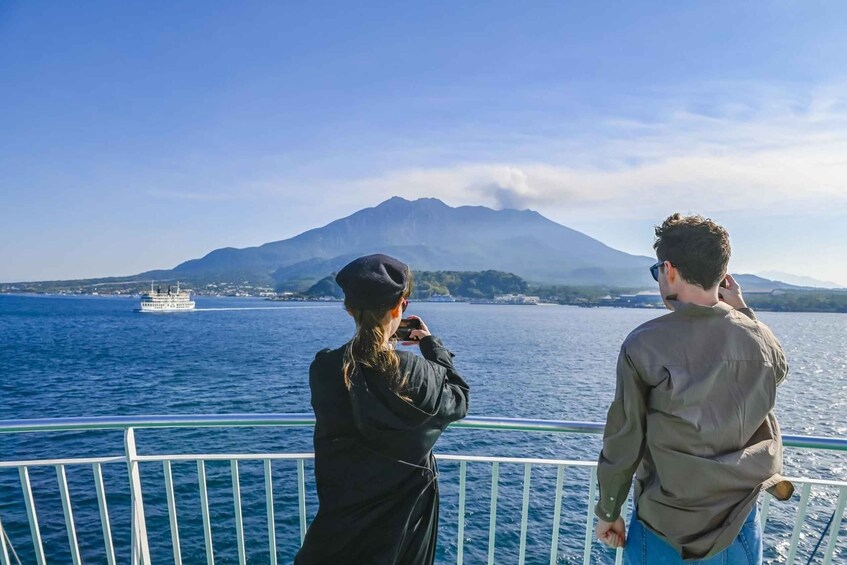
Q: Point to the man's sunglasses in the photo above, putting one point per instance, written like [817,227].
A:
[654,270]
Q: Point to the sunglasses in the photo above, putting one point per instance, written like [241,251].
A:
[654,270]
[405,304]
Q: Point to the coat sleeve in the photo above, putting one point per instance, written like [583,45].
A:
[780,363]
[623,439]
[438,388]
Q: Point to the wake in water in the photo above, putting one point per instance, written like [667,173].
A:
[260,308]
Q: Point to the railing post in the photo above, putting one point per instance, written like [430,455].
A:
[4,551]
[140,548]
[37,544]
[589,523]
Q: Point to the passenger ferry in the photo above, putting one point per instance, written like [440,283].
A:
[158,300]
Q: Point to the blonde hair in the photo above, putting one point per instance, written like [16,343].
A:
[368,347]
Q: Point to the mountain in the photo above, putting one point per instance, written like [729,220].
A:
[799,280]
[755,283]
[325,287]
[429,235]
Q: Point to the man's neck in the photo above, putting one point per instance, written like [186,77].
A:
[695,295]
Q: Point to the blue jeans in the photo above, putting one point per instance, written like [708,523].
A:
[643,547]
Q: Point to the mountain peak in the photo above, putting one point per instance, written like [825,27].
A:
[435,204]
[399,201]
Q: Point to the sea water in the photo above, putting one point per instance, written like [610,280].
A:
[95,356]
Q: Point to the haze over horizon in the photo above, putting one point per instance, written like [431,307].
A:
[138,137]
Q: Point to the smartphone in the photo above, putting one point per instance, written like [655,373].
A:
[405,329]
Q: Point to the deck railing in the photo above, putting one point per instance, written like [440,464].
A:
[139,544]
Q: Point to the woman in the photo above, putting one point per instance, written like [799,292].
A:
[379,412]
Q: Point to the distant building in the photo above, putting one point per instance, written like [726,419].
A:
[647,297]
[643,299]
[516,299]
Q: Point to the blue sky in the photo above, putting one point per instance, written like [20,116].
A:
[138,135]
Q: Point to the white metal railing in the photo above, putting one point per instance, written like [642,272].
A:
[140,543]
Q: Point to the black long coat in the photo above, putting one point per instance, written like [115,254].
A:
[375,474]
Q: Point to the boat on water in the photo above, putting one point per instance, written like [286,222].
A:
[158,300]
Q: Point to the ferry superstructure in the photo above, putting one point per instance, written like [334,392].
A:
[158,300]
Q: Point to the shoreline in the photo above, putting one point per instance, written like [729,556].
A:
[465,302]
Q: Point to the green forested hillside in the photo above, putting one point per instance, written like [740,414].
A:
[484,284]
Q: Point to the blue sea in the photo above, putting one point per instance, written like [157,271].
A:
[95,356]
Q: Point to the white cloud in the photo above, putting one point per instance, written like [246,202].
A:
[777,157]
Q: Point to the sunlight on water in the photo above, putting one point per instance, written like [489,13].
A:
[84,356]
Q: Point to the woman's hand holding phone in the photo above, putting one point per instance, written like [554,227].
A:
[417,334]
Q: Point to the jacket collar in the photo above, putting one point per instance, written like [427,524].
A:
[698,311]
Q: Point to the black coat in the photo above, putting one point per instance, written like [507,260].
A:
[375,474]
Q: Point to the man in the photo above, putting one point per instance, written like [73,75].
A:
[693,413]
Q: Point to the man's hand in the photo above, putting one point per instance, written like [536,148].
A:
[612,534]
[732,294]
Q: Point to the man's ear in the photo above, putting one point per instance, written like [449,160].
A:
[671,271]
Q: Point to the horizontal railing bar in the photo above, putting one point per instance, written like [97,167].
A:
[222,457]
[305,419]
[159,421]
[528,425]
[815,442]
[279,456]
[819,482]
[54,462]
[298,456]
[531,460]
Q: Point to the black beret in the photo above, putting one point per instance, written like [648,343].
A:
[373,281]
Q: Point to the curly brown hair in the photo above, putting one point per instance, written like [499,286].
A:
[698,247]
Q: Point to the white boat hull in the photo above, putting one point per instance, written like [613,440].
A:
[164,307]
